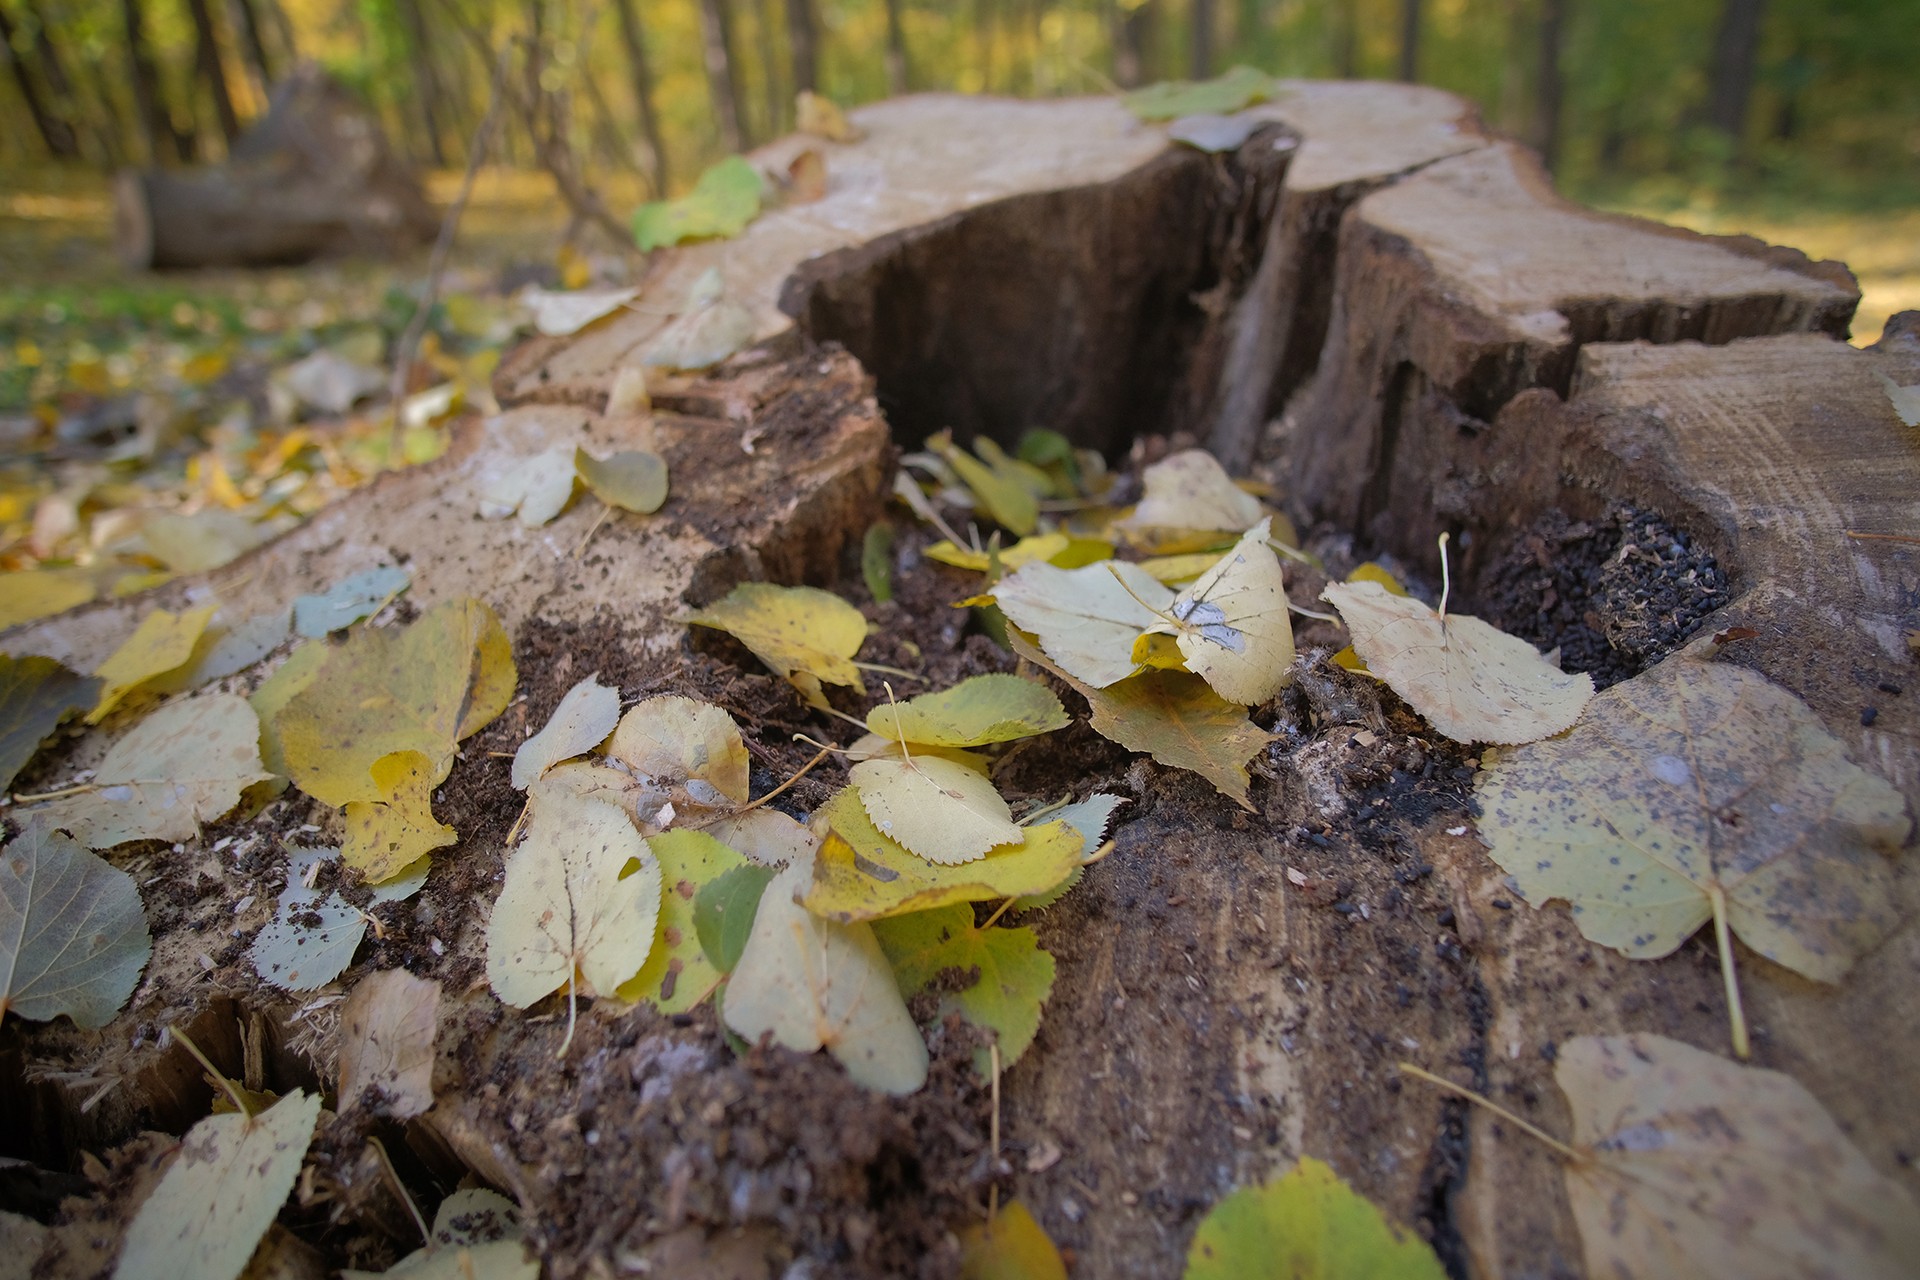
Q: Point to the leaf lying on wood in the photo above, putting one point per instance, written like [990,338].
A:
[586,715]
[299,671]
[1191,490]
[1091,818]
[1087,619]
[310,940]
[538,488]
[41,593]
[1308,1224]
[677,975]
[1701,791]
[161,643]
[185,764]
[385,837]
[942,811]
[975,712]
[220,1194]
[387,1029]
[823,118]
[1472,681]
[421,688]
[803,634]
[635,480]
[1231,626]
[557,313]
[73,935]
[347,601]
[724,200]
[1014,976]
[36,694]
[1171,99]
[812,983]
[860,874]
[581,902]
[708,329]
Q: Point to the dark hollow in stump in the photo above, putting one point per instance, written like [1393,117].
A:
[313,177]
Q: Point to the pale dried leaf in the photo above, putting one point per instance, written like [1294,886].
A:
[387,1028]
[683,743]
[73,935]
[1191,490]
[310,940]
[943,811]
[1231,626]
[1086,619]
[582,721]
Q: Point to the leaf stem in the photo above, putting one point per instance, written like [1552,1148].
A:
[78,788]
[818,756]
[1313,613]
[1723,935]
[886,670]
[232,1090]
[393,1176]
[1446,578]
[1158,613]
[994,919]
[1481,1099]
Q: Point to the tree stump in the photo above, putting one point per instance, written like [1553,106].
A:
[1381,308]
[313,177]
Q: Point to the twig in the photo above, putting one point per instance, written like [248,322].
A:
[437,262]
[393,1176]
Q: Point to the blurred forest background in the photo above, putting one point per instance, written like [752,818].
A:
[1795,120]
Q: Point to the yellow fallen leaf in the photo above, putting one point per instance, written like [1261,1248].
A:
[803,634]
[1374,571]
[41,593]
[1191,490]
[823,118]
[1011,1247]
[1058,549]
[678,975]
[1177,571]
[943,811]
[860,874]
[810,983]
[388,835]
[421,688]
[1472,681]
[977,711]
[1232,626]
[581,902]
[162,642]
[1000,491]
[871,746]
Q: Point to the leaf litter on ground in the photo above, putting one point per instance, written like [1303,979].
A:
[677,975]
[36,695]
[386,836]
[940,810]
[476,1235]
[1087,619]
[73,933]
[1231,626]
[1010,1245]
[387,1029]
[976,712]
[585,717]
[163,642]
[354,597]
[1700,791]
[311,938]
[1012,973]
[1308,1224]
[1190,490]
[806,636]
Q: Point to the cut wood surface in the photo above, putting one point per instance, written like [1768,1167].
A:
[1455,348]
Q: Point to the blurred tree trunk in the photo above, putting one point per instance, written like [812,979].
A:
[289,45]
[208,66]
[716,46]
[1735,49]
[803,43]
[426,79]
[55,131]
[253,46]
[634,37]
[766,23]
[897,71]
[1551,90]
[1409,71]
[983,17]
[1133,44]
[156,121]
[1200,44]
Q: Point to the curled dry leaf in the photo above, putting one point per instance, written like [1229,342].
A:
[387,1029]
[421,688]
[1191,490]
[582,721]
[220,1194]
[1701,791]
[973,713]
[1013,976]
[860,874]
[1087,619]
[185,764]
[1231,626]
[803,634]
[823,118]
[161,643]
[943,811]
[1472,681]
[558,313]
[582,897]
[811,983]
[1308,1224]
[1687,1164]
[36,694]
[73,936]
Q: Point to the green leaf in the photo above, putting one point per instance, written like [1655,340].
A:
[1308,1225]
[348,601]
[973,713]
[1002,491]
[36,694]
[677,975]
[1014,976]
[722,203]
[1222,95]
[73,937]
[633,481]
[723,913]
[1011,1247]
[876,561]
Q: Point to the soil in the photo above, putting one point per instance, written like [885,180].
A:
[650,1144]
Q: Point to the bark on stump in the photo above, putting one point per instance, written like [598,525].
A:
[313,177]
[1440,342]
